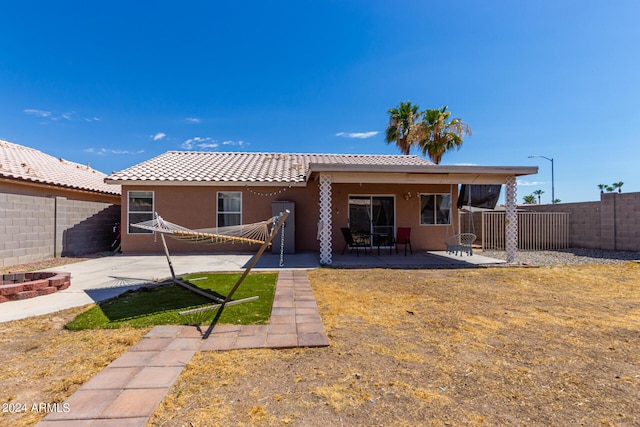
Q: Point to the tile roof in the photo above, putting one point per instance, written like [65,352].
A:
[189,166]
[28,164]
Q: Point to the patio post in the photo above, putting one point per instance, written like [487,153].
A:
[511,220]
[324,225]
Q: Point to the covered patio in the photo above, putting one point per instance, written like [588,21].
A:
[429,259]
[342,186]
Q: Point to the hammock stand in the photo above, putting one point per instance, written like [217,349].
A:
[159,225]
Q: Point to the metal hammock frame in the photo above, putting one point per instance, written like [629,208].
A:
[256,233]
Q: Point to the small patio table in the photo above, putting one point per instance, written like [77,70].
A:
[379,238]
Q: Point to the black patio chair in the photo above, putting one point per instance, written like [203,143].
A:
[352,242]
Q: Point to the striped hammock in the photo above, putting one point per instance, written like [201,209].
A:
[246,233]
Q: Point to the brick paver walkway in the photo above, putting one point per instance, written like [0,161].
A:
[127,392]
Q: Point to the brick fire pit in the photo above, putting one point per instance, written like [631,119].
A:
[19,286]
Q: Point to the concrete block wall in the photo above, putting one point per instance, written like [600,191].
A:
[27,228]
[584,222]
[84,227]
[33,228]
[620,218]
[613,223]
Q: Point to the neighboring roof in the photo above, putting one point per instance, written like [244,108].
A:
[21,163]
[210,168]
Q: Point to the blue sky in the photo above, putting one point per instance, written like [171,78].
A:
[115,83]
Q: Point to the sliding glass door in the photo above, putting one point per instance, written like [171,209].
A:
[373,217]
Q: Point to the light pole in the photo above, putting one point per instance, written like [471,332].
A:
[553,196]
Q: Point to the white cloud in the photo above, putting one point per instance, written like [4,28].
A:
[199,142]
[359,135]
[70,116]
[236,143]
[523,183]
[193,120]
[107,151]
[125,152]
[158,136]
[38,113]
[206,145]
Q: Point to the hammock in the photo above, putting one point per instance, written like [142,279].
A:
[257,233]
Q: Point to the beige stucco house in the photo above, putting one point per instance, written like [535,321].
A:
[52,207]
[30,172]
[372,194]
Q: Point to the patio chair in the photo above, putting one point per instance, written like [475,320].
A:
[356,242]
[403,237]
[460,243]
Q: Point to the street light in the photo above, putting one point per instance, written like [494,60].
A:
[553,196]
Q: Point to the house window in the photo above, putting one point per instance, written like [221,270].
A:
[229,208]
[140,209]
[435,209]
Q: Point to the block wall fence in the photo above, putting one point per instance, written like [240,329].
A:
[33,228]
[613,223]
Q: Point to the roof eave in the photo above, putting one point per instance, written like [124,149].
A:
[45,184]
[195,183]
[425,169]
[428,173]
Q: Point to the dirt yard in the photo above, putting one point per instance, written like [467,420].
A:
[499,346]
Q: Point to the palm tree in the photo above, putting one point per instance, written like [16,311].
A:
[436,133]
[610,189]
[618,185]
[401,120]
[602,187]
[538,193]
[556,201]
[529,200]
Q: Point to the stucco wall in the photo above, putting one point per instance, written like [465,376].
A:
[195,207]
[423,237]
[33,228]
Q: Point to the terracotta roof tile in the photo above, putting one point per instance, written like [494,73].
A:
[28,164]
[248,167]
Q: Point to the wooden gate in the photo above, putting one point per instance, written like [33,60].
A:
[537,231]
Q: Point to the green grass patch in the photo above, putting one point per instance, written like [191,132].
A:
[161,305]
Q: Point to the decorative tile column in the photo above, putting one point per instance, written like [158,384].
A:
[511,220]
[324,226]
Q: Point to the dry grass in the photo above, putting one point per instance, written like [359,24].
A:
[508,346]
[43,363]
[503,346]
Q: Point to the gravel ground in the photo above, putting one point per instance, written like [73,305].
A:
[571,256]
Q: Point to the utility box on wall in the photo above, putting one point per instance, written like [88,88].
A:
[289,228]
